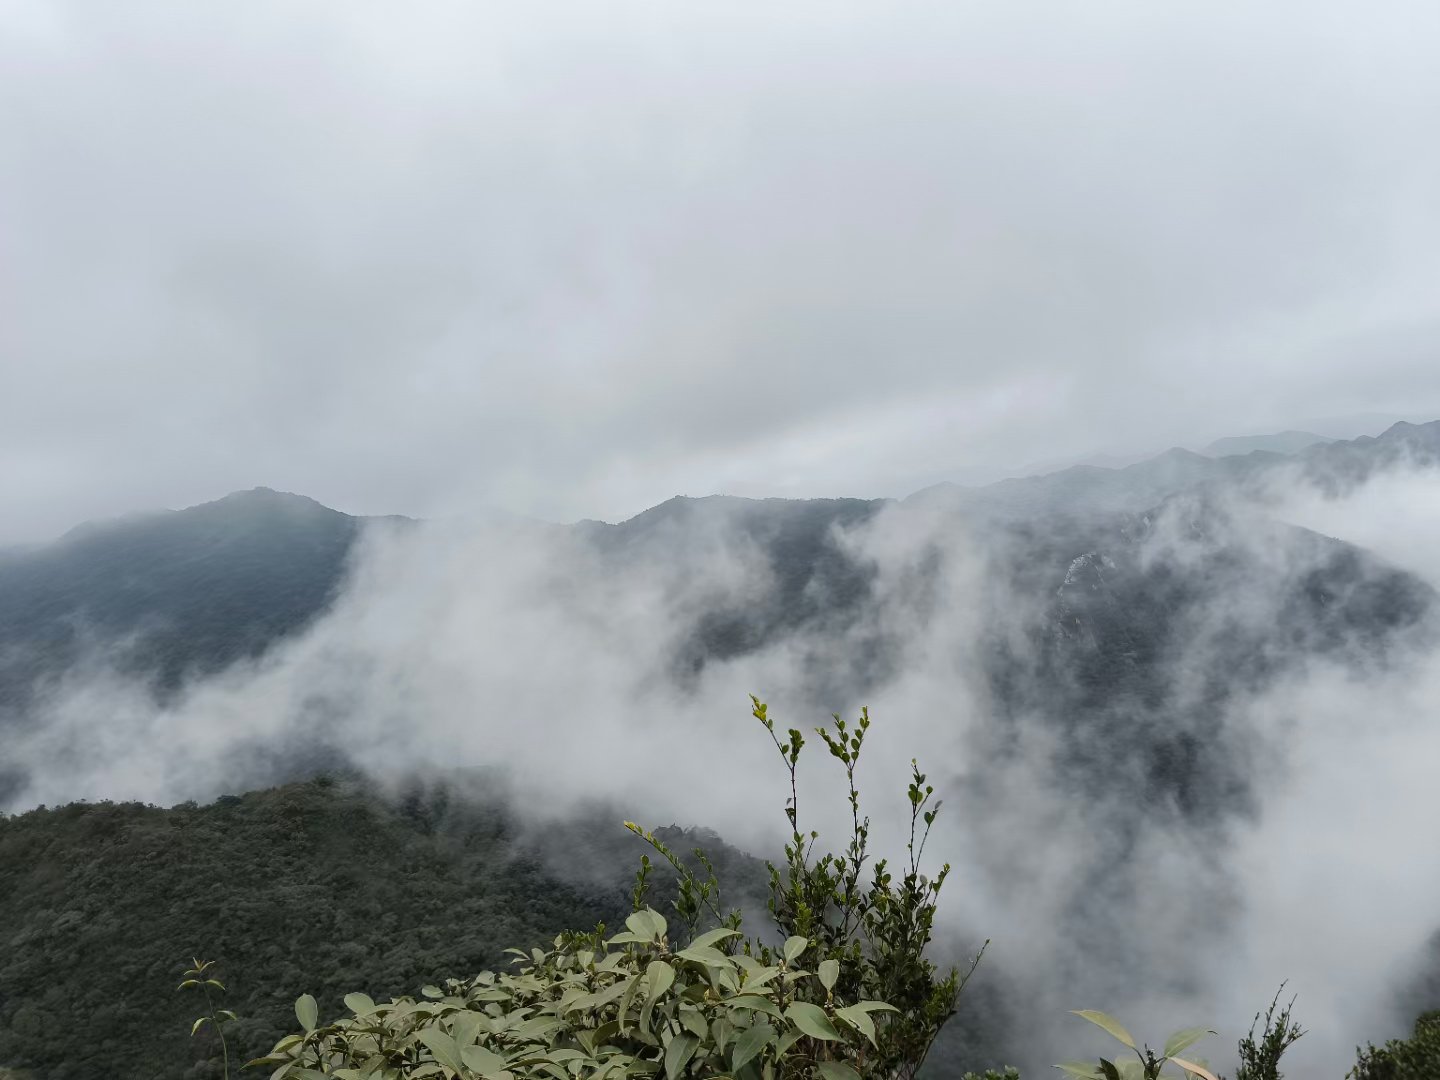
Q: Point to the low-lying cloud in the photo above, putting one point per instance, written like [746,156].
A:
[521,648]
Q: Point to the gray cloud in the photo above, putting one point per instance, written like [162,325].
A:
[568,260]
[468,647]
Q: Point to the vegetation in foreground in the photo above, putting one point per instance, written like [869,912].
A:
[1415,1058]
[848,994]
[838,987]
[696,996]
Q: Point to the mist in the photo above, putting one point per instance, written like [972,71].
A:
[518,650]
[497,267]
[567,260]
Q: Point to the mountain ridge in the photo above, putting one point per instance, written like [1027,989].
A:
[1423,436]
[1121,613]
[220,581]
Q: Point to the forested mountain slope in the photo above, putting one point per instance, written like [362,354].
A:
[169,595]
[317,887]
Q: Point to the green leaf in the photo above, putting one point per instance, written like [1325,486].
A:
[754,1001]
[678,1054]
[443,1047]
[1109,1023]
[693,1021]
[874,1006]
[1192,1067]
[359,1004]
[648,923]
[465,1027]
[538,1027]
[483,1061]
[710,937]
[829,971]
[269,1059]
[859,1020]
[811,1019]
[197,1025]
[1182,1039]
[837,1070]
[1109,1070]
[751,1041]
[659,977]
[623,1013]
[1081,1070]
[759,977]
[794,947]
[703,954]
[306,1011]
[722,1033]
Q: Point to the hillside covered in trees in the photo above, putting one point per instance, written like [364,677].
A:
[314,887]
[324,889]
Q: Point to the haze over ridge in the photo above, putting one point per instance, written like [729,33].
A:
[1108,702]
[566,262]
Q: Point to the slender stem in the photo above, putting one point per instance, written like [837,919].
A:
[219,1029]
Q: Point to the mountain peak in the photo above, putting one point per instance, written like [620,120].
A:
[1405,429]
[264,499]
[257,493]
[1177,453]
[1281,442]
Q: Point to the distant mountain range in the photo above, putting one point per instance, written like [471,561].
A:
[1283,442]
[1091,489]
[1122,611]
[183,594]
[1290,441]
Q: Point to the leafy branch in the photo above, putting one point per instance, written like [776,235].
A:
[199,977]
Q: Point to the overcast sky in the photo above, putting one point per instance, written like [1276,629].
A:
[569,260]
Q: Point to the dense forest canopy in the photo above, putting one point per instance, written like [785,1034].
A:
[316,887]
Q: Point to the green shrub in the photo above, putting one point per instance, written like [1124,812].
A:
[1415,1058]
[876,932]
[1261,1060]
[634,1006]
[1147,1064]
[685,999]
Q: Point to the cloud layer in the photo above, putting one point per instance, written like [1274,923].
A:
[520,648]
[570,260]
